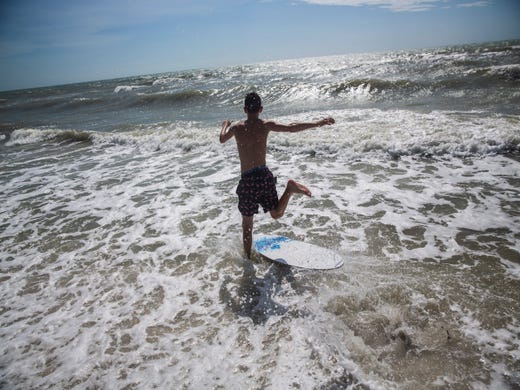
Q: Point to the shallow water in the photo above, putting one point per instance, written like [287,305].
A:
[122,265]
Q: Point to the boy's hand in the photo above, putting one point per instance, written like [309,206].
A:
[226,133]
[326,121]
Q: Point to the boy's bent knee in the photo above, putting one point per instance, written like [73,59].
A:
[276,214]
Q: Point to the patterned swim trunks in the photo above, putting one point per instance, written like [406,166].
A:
[257,186]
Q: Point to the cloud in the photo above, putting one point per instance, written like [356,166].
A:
[483,3]
[394,5]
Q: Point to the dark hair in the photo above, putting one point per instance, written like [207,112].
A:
[252,102]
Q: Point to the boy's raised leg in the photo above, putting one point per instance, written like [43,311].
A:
[292,188]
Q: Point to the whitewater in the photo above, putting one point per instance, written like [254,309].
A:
[121,261]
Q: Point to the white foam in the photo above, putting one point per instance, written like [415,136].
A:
[125,262]
[127,88]
[27,136]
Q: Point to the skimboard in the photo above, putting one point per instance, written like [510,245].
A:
[296,253]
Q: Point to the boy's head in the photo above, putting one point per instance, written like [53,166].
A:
[252,103]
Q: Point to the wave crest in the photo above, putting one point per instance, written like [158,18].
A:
[357,131]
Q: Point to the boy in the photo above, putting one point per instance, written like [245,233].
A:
[257,184]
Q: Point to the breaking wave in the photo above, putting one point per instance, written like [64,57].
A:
[391,132]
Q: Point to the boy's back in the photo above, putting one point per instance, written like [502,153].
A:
[251,137]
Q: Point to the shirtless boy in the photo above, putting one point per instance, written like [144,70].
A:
[257,184]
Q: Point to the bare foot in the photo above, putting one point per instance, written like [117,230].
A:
[297,188]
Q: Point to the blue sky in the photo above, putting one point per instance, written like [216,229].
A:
[49,42]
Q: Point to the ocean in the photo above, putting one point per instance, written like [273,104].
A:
[121,260]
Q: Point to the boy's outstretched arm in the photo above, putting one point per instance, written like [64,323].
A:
[301,126]
[227,132]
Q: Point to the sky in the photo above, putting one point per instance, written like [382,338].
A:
[52,42]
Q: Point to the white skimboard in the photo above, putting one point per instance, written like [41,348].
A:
[287,251]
